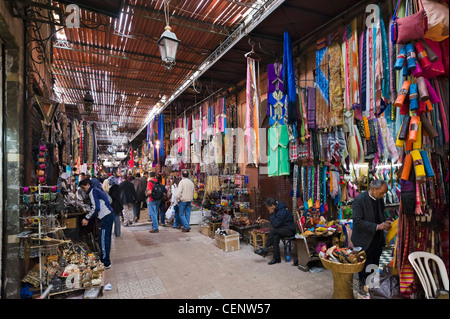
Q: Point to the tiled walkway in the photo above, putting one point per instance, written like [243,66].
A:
[174,265]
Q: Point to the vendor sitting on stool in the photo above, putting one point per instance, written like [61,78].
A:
[281,226]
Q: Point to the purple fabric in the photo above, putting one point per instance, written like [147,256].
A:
[311,107]
[274,80]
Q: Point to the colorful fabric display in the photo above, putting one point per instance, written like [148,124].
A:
[274,81]
[311,108]
[410,57]
[366,128]
[426,163]
[422,56]
[402,94]
[407,165]
[413,97]
[418,164]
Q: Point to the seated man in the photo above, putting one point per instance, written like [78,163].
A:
[281,225]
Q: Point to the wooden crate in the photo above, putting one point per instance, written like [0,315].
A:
[228,242]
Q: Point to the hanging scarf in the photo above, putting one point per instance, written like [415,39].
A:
[336,88]
[252,116]
[311,107]
[289,88]
[322,91]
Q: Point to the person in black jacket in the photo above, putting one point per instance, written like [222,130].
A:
[281,225]
[369,224]
[129,197]
[116,204]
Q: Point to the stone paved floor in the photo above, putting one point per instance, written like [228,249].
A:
[174,265]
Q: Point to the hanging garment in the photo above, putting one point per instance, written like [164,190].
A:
[274,82]
[336,88]
[251,128]
[278,164]
[322,91]
[311,107]
[276,102]
[289,87]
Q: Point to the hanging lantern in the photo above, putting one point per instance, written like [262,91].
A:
[168,42]
[168,46]
[88,101]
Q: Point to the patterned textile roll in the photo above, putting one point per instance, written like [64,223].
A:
[402,93]
[409,145]
[407,165]
[418,164]
[418,143]
[422,56]
[401,57]
[399,142]
[428,127]
[410,57]
[417,71]
[413,97]
[432,56]
[426,163]
[403,134]
[413,128]
[423,89]
[434,97]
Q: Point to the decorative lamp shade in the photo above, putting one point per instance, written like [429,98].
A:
[168,46]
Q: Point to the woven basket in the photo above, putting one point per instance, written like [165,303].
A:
[342,268]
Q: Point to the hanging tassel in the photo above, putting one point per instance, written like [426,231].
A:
[418,209]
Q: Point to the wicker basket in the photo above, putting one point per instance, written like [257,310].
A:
[342,277]
[342,268]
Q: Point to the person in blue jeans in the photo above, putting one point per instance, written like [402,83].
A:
[185,195]
[153,205]
[101,208]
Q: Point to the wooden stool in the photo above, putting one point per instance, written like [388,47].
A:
[258,235]
[213,227]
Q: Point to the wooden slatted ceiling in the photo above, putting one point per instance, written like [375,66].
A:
[118,61]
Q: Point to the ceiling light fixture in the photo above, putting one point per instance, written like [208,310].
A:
[88,101]
[168,42]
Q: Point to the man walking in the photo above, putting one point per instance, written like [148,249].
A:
[140,196]
[185,195]
[128,199]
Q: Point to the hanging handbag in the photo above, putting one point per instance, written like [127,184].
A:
[412,27]
[438,24]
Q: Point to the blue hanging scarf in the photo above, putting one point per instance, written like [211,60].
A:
[289,89]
